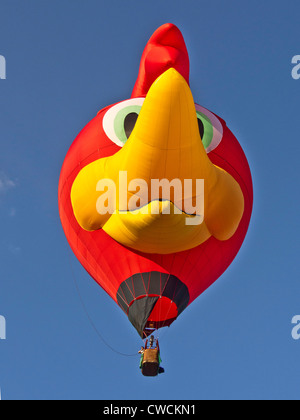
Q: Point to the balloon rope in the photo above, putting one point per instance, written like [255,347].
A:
[90,319]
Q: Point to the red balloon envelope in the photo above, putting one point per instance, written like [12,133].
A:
[155,267]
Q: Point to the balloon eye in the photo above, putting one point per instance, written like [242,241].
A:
[119,120]
[210,128]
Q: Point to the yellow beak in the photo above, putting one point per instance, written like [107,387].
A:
[165,144]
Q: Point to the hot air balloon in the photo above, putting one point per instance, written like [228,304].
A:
[154,263]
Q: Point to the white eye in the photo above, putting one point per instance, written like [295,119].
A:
[120,120]
[210,127]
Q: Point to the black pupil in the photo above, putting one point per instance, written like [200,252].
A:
[129,123]
[201,128]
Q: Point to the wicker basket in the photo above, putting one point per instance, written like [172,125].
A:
[150,362]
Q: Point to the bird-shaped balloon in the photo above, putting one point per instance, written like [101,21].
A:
[155,193]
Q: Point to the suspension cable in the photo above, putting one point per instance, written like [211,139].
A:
[90,319]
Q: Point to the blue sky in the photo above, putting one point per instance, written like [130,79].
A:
[65,61]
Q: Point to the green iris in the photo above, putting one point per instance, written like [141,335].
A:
[119,124]
[207,129]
